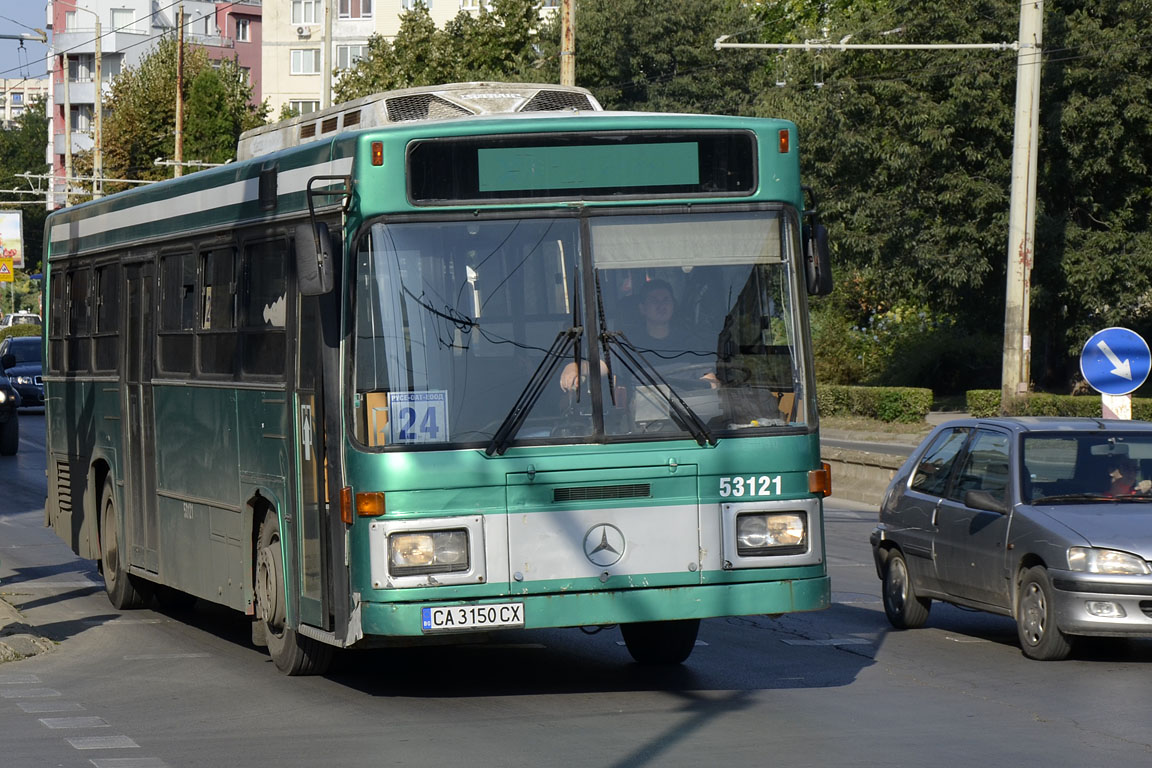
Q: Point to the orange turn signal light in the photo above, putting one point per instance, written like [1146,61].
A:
[377,153]
[346,504]
[785,141]
[370,504]
[820,480]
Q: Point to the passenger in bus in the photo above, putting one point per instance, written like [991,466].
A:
[656,337]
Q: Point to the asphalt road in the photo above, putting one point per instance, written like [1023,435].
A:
[146,689]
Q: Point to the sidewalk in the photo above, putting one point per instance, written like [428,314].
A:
[18,638]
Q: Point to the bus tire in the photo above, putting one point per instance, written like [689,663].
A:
[118,583]
[661,642]
[293,653]
[10,435]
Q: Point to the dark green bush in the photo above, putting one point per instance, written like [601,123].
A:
[21,330]
[986,402]
[903,404]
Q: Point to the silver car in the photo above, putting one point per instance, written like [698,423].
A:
[1048,521]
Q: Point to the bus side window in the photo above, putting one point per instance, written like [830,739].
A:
[265,308]
[106,334]
[78,341]
[57,328]
[177,312]
[217,332]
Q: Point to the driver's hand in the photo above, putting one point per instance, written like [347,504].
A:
[569,378]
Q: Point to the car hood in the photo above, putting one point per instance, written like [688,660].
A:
[1111,525]
[24,369]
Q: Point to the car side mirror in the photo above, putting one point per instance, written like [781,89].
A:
[985,501]
[7,360]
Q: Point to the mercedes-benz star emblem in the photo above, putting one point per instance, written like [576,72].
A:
[604,544]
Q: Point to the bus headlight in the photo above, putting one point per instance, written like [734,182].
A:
[418,552]
[771,533]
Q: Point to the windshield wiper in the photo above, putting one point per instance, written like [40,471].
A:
[640,367]
[533,389]
[1071,498]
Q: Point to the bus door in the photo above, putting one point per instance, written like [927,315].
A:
[311,532]
[139,430]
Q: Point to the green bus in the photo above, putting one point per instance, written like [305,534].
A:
[444,362]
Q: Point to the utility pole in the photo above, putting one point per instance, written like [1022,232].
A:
[567,42]
[1017,367]
[67,133]
[98,143]
[326,55]
[179,153]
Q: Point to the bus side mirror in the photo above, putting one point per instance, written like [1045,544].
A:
[314,259]
[817,263]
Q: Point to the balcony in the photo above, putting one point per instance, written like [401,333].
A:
[84,41]
[79,92]
[81,142]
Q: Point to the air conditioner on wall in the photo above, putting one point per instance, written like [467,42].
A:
[303,31]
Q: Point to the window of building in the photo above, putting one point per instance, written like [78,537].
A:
[82,118]
[348,55]
[243,30]
[124,19]
[409,5]
[305,11]
[17,97]
[355,9]
[306,61]
[303,106]
[17,111]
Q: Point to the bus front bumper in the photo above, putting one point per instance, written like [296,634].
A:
[583,609]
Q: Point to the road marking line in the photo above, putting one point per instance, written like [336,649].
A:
[40,707]
[102,742]
[154,656]
[128,762]
[120,622]
[30,693]
[74,722]
[15,679]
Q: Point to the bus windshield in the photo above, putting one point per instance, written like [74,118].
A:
[681,325]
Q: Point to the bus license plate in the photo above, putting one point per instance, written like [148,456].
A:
[449,617]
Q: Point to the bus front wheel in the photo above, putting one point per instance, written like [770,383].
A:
[661,642]
[293,653]
[119,585]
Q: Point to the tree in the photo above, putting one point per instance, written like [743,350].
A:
[22,151]
[495,44]
[141,112]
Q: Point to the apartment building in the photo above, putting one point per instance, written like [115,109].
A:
[306,41]
[16,94]
[128,30]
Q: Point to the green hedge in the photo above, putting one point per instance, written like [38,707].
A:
[986,402]
[905,404]
[20,330]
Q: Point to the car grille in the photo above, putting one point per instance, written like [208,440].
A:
[1146,606]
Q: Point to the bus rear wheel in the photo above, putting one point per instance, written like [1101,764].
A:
[119,585]
[661,642]
[293,653]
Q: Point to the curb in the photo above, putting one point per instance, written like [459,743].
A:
[18,638]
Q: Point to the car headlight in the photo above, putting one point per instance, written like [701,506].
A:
[1092,560]
[415,553]
[3,396]
[24,380]
[771,533]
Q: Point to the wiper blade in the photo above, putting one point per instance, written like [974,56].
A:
[640,367]
[533,389]
[1062,498]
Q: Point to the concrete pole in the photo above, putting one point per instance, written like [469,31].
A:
[567,42]
[178,169]
[98,144]
[1016,371]
[67,132]
[327,53]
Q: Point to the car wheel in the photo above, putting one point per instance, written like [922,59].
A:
[905,610]
[1040,638]
[661,642]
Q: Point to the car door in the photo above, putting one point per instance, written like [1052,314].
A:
[970,542]
[911,519]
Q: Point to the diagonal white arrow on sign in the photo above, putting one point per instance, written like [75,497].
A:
[1121,369]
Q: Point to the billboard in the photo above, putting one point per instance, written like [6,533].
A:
[11,237]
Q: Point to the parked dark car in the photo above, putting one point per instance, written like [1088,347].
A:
[20,357]
[1048,521]
[9,418]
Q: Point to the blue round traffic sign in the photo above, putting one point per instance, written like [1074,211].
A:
[1115,361]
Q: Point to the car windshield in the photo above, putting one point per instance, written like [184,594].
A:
[25,349]
[482,330]
[1079,467]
